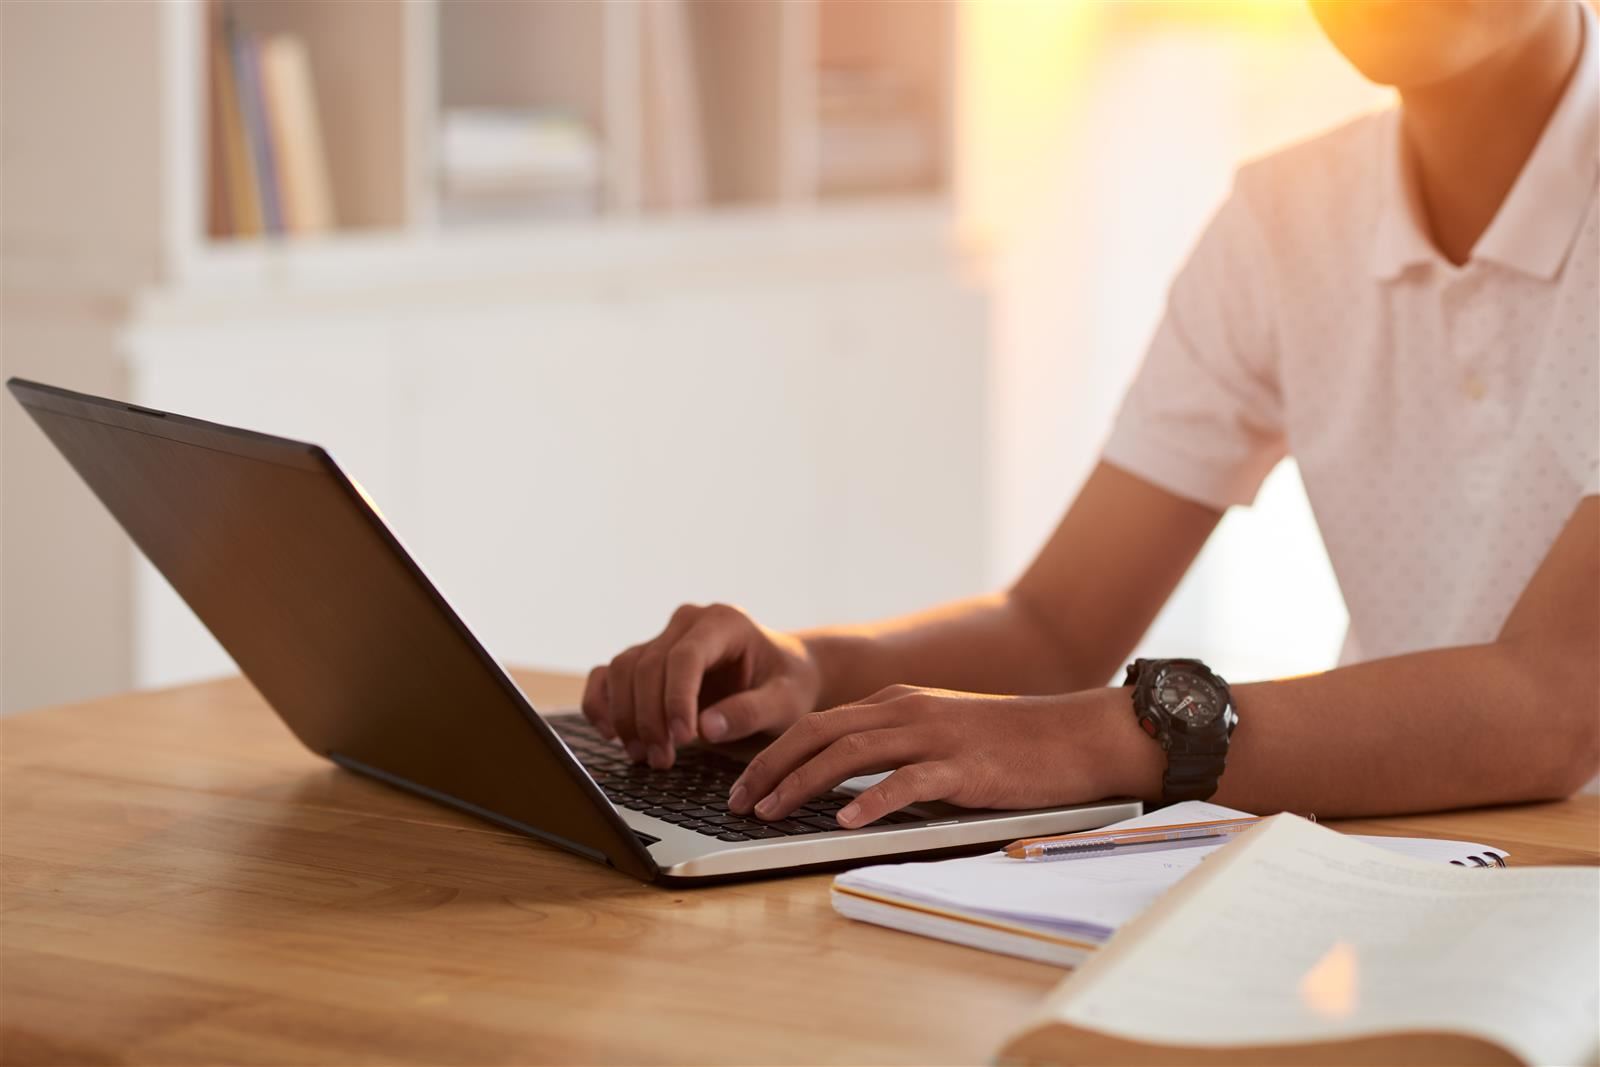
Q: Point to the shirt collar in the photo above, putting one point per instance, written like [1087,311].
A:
[1536,225]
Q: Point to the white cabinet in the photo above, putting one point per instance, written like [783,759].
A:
[574,441]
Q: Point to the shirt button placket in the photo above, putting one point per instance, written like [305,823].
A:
[1469,337]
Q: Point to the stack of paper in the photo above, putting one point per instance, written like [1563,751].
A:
[506,163]
[1057,911]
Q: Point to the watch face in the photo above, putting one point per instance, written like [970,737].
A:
[1189,698]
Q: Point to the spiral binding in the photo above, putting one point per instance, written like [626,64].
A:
[1488,859]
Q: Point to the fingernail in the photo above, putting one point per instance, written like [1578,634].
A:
[661,756]
[636,751]
[736,797]
[713,725]
[848,813]
[767,807]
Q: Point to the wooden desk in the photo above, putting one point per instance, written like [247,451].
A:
[184,884]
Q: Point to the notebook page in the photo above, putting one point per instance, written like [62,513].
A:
[1100,893]
[1315,936]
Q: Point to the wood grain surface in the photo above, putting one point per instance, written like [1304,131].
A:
[183,884]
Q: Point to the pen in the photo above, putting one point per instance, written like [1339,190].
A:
[1065,846]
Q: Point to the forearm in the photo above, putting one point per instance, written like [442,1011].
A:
[1112,562]
[1486,724]
[988,644]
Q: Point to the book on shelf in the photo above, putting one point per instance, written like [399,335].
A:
[1298,944]
[269,168]
[253,114]
[236,199]
[499,164]
[300,166]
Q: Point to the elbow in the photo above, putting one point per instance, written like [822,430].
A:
[1566,684]
[1580,763]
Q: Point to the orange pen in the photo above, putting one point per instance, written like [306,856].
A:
[1099,842]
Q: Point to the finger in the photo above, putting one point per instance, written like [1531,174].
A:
[888,693]
[808,736]
[909,785]
[649,713]
[684,673]
[715,639]
[867,752]
[649,717]
[596,706]
[765,707]
[619,691]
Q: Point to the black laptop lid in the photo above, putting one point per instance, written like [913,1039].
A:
[289,567]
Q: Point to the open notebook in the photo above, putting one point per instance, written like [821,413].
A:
[1297,944]
[1059,912]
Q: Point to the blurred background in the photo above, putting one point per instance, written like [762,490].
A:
[822,307]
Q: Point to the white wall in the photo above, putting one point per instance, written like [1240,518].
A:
[75,235]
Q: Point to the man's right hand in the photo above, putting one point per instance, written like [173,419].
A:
[713,673]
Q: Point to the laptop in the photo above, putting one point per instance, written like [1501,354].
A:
[285,561]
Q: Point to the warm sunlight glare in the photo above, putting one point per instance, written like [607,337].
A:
[1021,62]
[1266,15]
[1330,987]
[1024,66]
[371,503]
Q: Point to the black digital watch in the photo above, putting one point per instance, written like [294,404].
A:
[1189,711]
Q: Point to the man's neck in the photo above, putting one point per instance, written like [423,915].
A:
[1469,137]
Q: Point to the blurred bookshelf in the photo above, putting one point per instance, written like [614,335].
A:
[579,243]
[400,118]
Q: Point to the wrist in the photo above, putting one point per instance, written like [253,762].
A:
[1128,761]
[830,657]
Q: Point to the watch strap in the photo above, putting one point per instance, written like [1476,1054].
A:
[1191,775]
[1194,765]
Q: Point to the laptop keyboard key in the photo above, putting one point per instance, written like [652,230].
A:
[705,813]
[693,794]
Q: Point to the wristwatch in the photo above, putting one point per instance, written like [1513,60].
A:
[1189,711]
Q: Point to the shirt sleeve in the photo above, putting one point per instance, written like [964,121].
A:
[1203,418]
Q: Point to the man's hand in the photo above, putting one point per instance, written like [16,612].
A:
[972,750]
[712,672]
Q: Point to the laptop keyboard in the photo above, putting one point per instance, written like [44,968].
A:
[693,793]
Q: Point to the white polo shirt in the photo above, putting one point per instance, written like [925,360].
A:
[1446,419]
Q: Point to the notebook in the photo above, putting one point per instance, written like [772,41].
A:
[1058,912]
[1297,944]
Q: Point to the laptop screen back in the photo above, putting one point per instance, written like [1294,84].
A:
[287,565]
